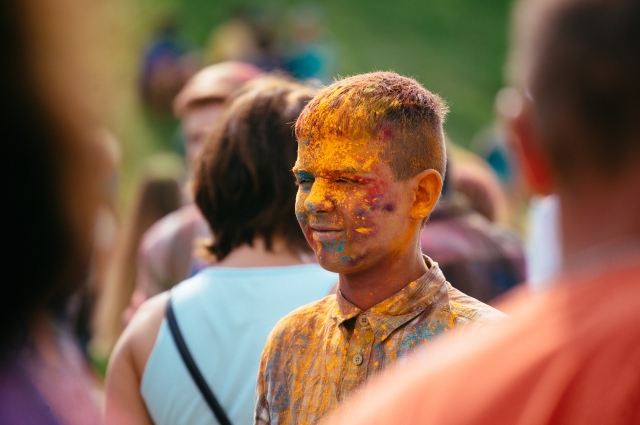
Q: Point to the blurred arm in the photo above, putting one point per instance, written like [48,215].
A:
[124,403]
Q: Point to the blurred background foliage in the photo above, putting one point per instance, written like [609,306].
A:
[455,48]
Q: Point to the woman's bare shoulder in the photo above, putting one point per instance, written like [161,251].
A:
[123,401]
[140,335]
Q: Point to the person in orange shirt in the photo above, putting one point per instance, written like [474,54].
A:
[371,157]
[571,353]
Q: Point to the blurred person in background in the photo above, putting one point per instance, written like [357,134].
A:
[474,177]
[159,194]
[571,353]
[493,145]
[244,187]
[166,254]
[478,257]
[83,304]
[308,53]
[54,167]
[248,36]
[166,67]
[232,40]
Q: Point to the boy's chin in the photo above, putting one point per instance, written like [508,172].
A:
[341,265]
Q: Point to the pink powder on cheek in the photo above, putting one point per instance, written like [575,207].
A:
[375,194]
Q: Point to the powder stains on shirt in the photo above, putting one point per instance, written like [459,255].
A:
[321,353]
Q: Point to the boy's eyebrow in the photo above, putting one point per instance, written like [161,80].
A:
[342,171]
[348,171]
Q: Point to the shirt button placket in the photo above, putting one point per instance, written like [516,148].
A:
[360,351]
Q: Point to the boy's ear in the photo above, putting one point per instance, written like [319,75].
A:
[426,193]
[534,162]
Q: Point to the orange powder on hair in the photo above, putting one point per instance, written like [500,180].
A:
[396,111]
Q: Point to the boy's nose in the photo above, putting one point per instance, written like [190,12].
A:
[319,199]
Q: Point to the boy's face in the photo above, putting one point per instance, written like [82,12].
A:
[351,210]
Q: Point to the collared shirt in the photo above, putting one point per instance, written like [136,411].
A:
[320,353]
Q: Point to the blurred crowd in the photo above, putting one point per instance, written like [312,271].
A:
[293,41]
[507,293]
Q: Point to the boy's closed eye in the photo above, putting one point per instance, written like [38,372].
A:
[353,179]
[344,180]
[304,178]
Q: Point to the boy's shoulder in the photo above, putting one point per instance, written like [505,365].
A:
[305,318]
[469,310]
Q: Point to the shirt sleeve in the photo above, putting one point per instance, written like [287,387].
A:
[262,413]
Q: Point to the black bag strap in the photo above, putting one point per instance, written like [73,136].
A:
[206,392]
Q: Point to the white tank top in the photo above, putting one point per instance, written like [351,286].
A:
[225,315]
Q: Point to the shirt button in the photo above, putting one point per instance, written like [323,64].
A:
[364,322]
[357,359]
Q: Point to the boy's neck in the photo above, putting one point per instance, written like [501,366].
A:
[369,287]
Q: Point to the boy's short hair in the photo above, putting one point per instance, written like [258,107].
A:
[242,182]
[397,111]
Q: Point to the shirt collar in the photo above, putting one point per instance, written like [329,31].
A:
[404,305]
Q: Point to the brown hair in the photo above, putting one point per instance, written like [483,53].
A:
[243,183]
[382,105]
[580,62]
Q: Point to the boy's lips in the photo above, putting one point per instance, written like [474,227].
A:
[322,233]
[324,228]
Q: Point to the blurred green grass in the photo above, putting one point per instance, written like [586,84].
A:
[455,48]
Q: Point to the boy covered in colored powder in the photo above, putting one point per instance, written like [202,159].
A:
[371,158]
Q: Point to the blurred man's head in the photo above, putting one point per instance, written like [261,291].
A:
[371,157]
[579,63]
[201,102]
